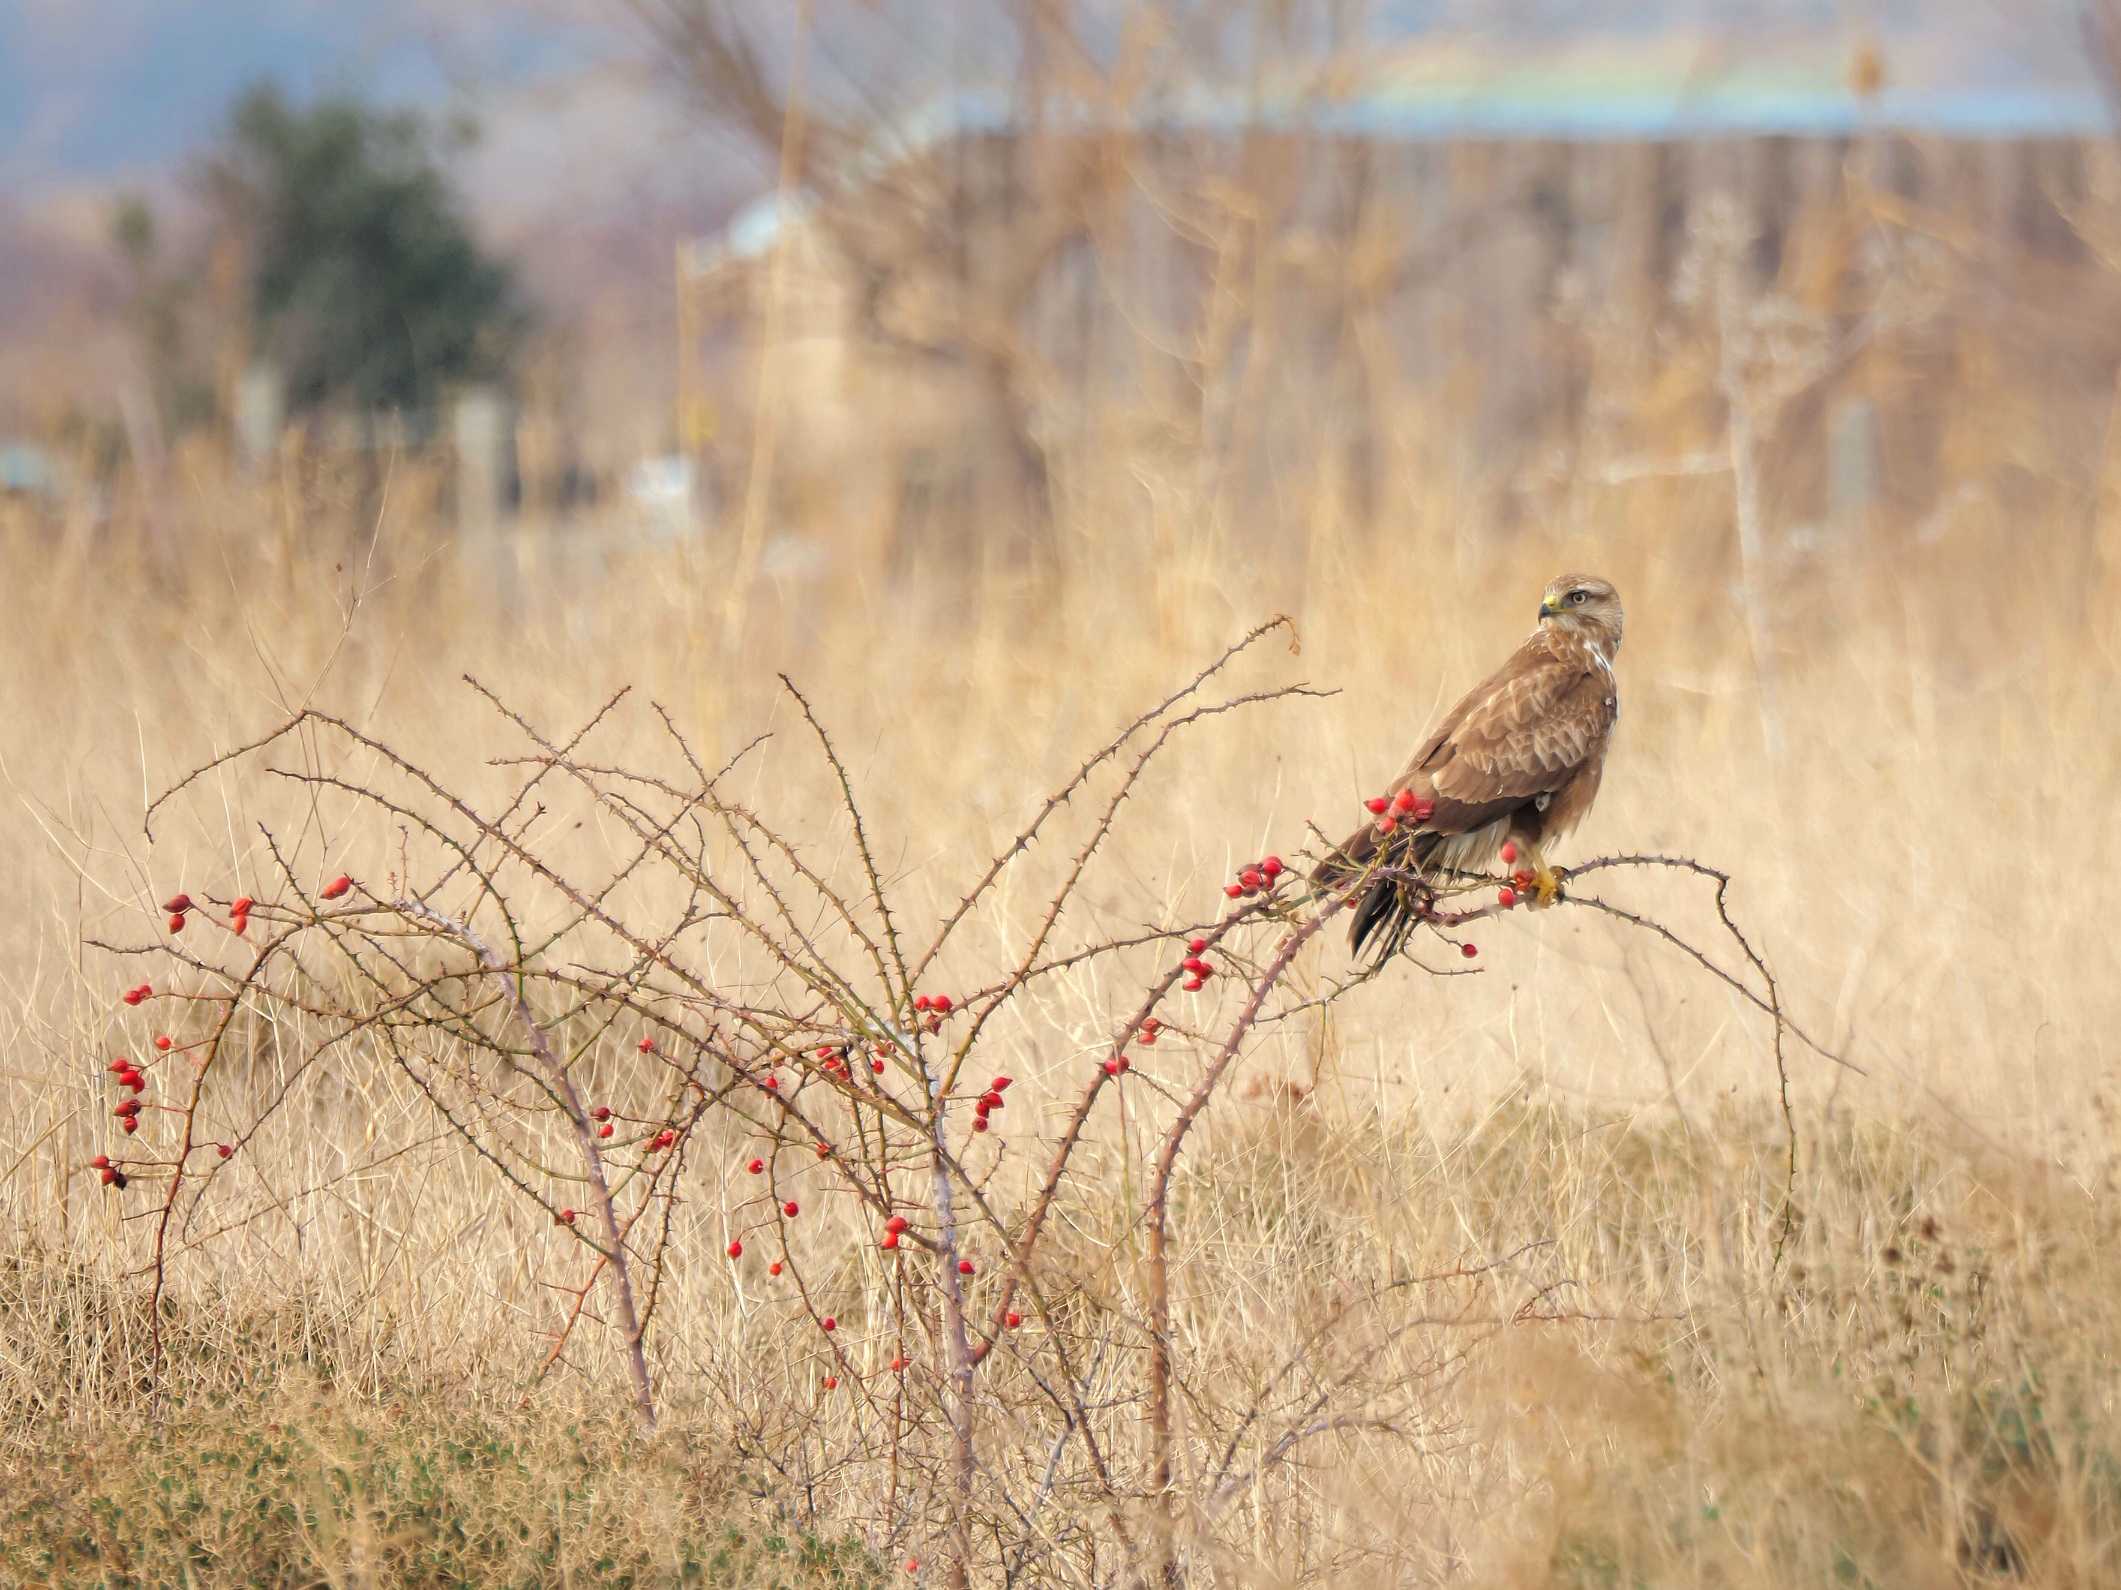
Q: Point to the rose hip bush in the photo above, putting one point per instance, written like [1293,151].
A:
[703,1024]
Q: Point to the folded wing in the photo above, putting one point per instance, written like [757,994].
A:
[1525,733]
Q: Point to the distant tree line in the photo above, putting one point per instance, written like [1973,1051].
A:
[361,279]
[367,287]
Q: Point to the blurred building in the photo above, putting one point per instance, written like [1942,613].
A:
[1477,257]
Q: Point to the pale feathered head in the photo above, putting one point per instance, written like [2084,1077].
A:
[1586,606]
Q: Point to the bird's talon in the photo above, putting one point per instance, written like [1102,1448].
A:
[1546,888]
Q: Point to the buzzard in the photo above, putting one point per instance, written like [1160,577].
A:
[1517,761]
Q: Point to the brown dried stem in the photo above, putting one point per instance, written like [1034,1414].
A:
[614,1248]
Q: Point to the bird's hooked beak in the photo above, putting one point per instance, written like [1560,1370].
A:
[1547,610]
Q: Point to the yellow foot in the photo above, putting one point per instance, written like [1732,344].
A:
[1546,887]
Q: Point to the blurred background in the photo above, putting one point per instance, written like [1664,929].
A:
[576,268]
[988,366]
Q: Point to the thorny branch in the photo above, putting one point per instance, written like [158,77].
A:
[773,1018]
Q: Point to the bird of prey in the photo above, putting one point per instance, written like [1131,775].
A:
[1516,762]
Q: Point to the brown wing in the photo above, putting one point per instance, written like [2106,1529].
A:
[1538,722]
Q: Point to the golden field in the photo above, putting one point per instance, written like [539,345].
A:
[1501,1278]
[1917,1390]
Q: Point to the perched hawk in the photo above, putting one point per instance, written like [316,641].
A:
[1517,760]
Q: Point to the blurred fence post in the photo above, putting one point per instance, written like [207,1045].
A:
[261,415]
[485,442]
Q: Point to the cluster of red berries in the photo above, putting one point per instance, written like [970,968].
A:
[106,1172]
[1198,971]
[130,1079]
[133,996]
[894,1228]
[988,1101]
[1254,876]
[1406,806]
[1520,881]
[180,907]
[661,1140]
[1150,1029]
[1118,1066]
[933,1008]
[836,1061]
[602,1114]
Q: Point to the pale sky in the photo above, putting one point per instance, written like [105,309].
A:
[113,88]
[98,91]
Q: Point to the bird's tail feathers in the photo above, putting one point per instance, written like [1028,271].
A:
[1349,859]
[1390,906]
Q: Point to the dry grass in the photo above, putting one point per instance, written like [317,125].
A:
[1622,1369]
[280,1481]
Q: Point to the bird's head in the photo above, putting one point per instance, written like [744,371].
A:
[1584,606]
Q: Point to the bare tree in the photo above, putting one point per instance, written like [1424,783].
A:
[933,172]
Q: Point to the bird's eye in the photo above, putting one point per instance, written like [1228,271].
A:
[1578,598]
